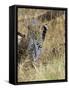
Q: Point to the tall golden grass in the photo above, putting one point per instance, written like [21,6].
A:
[51,64]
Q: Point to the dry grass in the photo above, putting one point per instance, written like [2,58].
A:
[51,64]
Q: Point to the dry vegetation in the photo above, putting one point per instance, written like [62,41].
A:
[51,64]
